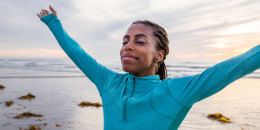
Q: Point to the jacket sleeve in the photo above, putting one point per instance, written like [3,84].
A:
[191,89]
[97,73]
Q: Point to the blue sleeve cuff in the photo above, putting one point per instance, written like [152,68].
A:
[49,19]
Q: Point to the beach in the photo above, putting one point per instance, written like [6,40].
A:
[239,101]
[56,99]
[59,91]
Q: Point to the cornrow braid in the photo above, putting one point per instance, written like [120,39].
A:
[162,44]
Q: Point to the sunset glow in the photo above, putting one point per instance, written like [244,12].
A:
[219,45]
[243,28]
[197,30]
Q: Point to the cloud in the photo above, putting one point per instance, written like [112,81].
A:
[194,27]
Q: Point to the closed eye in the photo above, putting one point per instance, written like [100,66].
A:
[139,42]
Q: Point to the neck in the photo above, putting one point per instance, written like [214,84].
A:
[142,74]
[146,72]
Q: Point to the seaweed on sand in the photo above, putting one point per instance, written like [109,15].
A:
[9,103]
[85,103]
[58,125]
[34,127]
[28,96]
[219,117]
[2,86]
[27,114]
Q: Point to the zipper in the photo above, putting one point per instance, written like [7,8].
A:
[125,101]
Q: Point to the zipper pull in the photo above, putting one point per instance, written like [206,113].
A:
[124,103]
[124,109]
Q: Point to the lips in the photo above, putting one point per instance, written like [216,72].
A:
[128,57]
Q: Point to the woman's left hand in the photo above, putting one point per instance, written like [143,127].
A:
[45,12]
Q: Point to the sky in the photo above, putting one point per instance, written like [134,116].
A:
[198,30]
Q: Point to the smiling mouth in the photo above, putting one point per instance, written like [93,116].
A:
[128,58]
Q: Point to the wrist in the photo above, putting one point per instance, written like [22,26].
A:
[49,19]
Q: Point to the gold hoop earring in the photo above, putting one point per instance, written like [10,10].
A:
[155,61]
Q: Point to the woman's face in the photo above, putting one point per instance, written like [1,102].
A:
[138,50]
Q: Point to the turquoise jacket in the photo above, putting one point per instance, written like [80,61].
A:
[147,103]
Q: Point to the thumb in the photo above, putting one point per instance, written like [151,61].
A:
[52,10]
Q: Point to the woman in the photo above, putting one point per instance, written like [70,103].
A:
[144,98]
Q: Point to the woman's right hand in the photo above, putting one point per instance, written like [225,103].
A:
[45,12]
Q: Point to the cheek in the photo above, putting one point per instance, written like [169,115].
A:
[147,56]
[121,51]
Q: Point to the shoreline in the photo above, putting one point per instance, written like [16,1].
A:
[57,100]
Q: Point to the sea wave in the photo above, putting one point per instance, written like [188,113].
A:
[65,68]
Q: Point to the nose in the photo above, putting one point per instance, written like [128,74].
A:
[129,46]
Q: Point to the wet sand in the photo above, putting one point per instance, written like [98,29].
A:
[239,101]
[57,100]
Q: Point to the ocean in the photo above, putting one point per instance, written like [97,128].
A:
[65,68]
[59,86]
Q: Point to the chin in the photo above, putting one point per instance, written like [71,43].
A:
[127,69]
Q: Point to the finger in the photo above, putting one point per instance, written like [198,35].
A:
[47,11]
[39,15]
[44,13]
[53,11]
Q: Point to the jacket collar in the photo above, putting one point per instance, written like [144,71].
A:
[150,77]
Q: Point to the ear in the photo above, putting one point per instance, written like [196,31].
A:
[160,55]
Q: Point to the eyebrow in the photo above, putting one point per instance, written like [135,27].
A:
[137,35]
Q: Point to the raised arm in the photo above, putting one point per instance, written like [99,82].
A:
[96,72]
[191,89]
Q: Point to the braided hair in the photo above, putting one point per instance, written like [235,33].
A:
[162,44]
